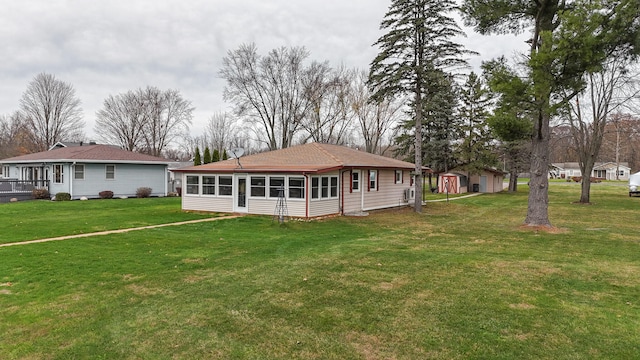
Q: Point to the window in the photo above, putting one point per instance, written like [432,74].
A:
[315,185]
[58,174]
[225,185]
[275,183]
[110,172]
[398,176]
[373,180]
[355,181]
[78,172]
[193,184]
[258,184]
[621,173]
[324,187]
[208,185]
[296,187]
[5,172]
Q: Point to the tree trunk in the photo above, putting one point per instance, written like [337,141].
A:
[513,180]
[537,209]
[586,188]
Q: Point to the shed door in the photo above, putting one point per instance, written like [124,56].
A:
[483,183]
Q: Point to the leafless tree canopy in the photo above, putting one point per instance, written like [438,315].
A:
[146,120]
[221,131]
[15,138]
[52,111]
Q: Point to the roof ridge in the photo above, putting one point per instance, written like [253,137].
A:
[321,148]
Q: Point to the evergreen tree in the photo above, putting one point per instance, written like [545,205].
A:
[224,155]
[216,155]
[196,158]
[476,151]
[416,44]
[569,39]
[207,156]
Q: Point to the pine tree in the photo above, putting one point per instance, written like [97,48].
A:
[417,43]
[476,151]
[207,156]
[196,158]
[224,155]
[216,155]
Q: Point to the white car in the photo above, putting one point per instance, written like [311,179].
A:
[634,184]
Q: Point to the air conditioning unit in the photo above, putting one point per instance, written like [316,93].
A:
[409,194]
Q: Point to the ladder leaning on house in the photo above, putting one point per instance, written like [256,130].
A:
[281,212]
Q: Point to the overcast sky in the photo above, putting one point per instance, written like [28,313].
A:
[108,47]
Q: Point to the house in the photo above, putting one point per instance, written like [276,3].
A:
[459,181]
[84,171]
[311,180]
[601,170]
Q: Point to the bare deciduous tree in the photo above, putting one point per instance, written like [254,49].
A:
[52,111]
[220,131]
[146,120]
[377,121]
[589,113]
[15,137]
[268,91]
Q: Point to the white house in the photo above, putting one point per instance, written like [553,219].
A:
[85,170]
[601,170]
[311,180]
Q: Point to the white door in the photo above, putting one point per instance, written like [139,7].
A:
[483,183]
[240,194]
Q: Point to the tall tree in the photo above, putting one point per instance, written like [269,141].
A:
[589,114]
[15,137]
[146,120]
[569,38]
[417,43]
[511,119]
[52,111]
[197,160]
[207,156]
[377,121]
[476,151]
[221,131]
[268,91]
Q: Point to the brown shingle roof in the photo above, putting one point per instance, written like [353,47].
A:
[88,153]
[313,157]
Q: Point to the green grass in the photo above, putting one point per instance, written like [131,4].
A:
[28,220]
[462,281]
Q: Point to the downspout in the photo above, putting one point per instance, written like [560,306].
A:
[306,197]
[166,179]
[71,172]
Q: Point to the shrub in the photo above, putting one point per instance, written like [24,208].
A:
[172,194]
[63,196]
[143,192]
[40,194]
[576,178]
[107,194]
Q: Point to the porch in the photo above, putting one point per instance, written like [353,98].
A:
[20,189]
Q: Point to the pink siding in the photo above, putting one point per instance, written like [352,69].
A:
[388,194]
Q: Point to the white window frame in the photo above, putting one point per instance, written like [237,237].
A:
[330,179]
[60,179]
[398,176]
[106,172]
[209,186]
[271,187]
[355,181]
[258,186]
[189,187]
[302,188]
[76,167]
[373,180]
[225,186]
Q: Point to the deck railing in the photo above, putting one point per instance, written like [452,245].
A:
[10,186]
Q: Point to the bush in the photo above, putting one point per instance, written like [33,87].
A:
[63,196]
[172,194]
[107,194]
[143,192]
[40,194]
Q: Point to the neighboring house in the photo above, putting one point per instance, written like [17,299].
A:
[460,181]
[312,180]
[85,170]
[604,171]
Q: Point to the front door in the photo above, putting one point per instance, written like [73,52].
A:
[483,184]
[240,198]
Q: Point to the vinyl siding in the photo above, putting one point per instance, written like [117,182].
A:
[324,207]
[388,193]
[128,178]
[207,203]
[262,206]
[352,199]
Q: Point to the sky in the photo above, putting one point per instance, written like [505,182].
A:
[106,48]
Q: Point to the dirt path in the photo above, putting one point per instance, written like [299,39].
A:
[119,231]
[455,198]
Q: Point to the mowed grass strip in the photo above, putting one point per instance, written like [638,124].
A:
[30,220]
[463,280]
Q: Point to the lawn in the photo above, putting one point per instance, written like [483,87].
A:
[462,280]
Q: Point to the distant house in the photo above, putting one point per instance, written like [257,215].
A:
[311,180]
[601,170]
[85,170]
[460,181]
